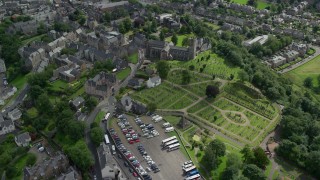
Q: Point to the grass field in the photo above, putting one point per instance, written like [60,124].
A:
[310,69]
[213,26]
[121,75]
[133,58]
[99,117]
[213,65]
[180,38]
[261,4]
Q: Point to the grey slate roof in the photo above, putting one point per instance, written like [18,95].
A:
[2,66]
[155,79]
[23,138]
[77,101]
[6,123]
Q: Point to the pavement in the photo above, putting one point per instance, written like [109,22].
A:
[294,66]
[169,163]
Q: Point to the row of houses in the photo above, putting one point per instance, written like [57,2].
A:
[293,52]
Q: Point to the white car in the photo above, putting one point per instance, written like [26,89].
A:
[148,169]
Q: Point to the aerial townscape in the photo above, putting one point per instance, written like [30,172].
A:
[159,89]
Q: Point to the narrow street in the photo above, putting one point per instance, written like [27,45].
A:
[107,105]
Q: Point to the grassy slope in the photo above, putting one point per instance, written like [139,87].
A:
[180,39]
[310,69]
[121,75]
[133,58]
[261,4]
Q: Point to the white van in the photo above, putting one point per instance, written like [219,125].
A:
[165,125]
[158,119]
[169,129]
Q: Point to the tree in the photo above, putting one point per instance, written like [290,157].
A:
[107,17]
[234,160]
[230,173]
[191,67]
[32,158]
[174,39]
[260,157]
[308,82]
[163,69]
[253,3]
[127,24]
[43,104]
[247,154]
[76,130]
[97,135]
[161,36]
[313,163]
[252,171]
[35,91]
[185,41]
[122,29]
[186,77]
[152,107]
[80,155]
[243,76]
[90,103]
[213,152]
[212,91]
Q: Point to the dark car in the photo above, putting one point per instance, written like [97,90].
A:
[131,170]
[126,164]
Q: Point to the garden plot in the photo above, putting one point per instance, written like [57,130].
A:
[208,63]
[257,121]
[213,116]
[165,96]
[199,88]
[227,105]
[197,107]
[175,76]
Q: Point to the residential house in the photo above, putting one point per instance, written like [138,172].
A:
[104,6]
[171,23]
[291,55]
[153,82]
[138,108]
[77,103]
[15,114]
[105,161]
[301,48]
[80,116]
[71,174]
[276,61]
[135,83]
[100,85]
[6,126]
[48,169]
[23,139]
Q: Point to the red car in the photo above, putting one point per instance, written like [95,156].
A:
[137,140]
[129,155]
[131,142]
[134,174]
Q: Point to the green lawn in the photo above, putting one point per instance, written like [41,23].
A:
[121,75]
[180,38]
[213,26]
[20,81]
[59,85]
[261,3]
[20,163]
[30,40]
[32,112]
[210,64]
[99,117]
[133,58]
[173,120]
[310,69]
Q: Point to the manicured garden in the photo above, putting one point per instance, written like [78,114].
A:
[165,96]
[309,69]
[208,63]
[180,38]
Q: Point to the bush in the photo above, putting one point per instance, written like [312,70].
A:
[31,160]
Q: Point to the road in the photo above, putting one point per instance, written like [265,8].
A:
[108,105]
[294,66]
[10,106]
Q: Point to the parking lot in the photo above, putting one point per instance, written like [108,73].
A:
[169,163]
